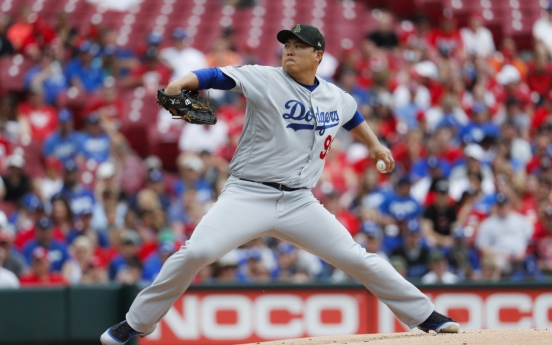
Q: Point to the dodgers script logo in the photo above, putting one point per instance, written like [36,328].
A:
[298,112]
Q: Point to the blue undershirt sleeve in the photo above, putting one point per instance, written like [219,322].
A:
[355,121]
[213,78]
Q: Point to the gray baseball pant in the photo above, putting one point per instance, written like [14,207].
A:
[247,210]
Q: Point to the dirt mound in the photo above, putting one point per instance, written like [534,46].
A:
[535,336]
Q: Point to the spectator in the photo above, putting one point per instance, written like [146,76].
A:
[514,115]
[47,75]
[151,73]
[83,228]
[126,267]
[400,205]
[85,71]
[414,252]
[79,197]
[62,216]
[472,163]
[6,48]
[55,251]
[203,138]
[155,261]
[505,236]
[109,106]
[384,36]
[191,169]
[542,239]
[66,33]
[347,218]
[447,37]
[477,39]
[370,237]
[95,144]
[7,278]
[52,183]
[65,143]
[542,29]
[290,266]
[128,165]
[479,127]
[438,270]
[440,216]
[30,211]
[13,127]
[156,183]
[370,194]
[463,258]
[83,268]
[226,268]
[539,76]
[41,273]
[180,56]
[15,183]
[22,29]
[12,260]
[449,114]
[38,119]
[220,55]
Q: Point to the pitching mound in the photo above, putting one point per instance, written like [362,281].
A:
[536,336]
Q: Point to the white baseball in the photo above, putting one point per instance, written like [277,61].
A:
[381,166]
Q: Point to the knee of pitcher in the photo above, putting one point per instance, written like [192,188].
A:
[196,255]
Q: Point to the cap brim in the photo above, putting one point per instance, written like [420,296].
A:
[284,35]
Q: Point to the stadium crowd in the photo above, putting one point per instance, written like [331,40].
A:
[469,126]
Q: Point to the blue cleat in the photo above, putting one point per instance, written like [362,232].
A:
[440,324]
[120,334]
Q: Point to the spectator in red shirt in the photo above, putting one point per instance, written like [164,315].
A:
[447,36]
[40,274]
[108,105]
[22,29]
[347,218]
[42,118]
[542,238]
[539,77]
[151,73]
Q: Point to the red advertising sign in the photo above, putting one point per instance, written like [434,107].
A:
[245,316]
[235,317]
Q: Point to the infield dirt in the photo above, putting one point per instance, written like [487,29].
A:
[534,336]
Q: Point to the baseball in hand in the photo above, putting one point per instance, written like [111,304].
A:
[381,166]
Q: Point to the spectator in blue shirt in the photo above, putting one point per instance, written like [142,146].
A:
[85,71]
[126,266]
[65,143]
[191,169]
[95,142]
[153,263]
[401,205]
[57,251]
[47,75]
[80,198]
[83,228]
[479,127]
[413,250]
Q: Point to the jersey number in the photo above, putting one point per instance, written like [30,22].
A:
[327,145]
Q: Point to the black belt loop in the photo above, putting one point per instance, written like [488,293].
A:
[275,185]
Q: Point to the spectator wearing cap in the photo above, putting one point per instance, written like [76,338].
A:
[477,39]
[106,179]
[180,56]
[154,262]
[191,170]
[370,237]
[8,279]
[400,205]
[15,183]
[462,256]
[539,76]
[30,211]
[438,270]
[430,167]
[83,227]
[95,144]
[384,36]
[474,156]
[13,261]
[291,267]
[130,167]
[126,265]
[40,118]
[47,75]
[447,36]
[117,60]
[63,144]
[85,71]
[510,84]
[41,272]
[479,127]
[108,105]
[440,216]
[413,250]
[347,80]
[56,251]
[517,150]
[79,196]
[151,73]
[542,29]
[83,267]
[504,235]
[512,113]
[448,114]
[156,182]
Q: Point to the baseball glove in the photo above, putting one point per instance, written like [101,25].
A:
[188,106]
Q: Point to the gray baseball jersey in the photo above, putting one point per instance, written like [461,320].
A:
[288,129]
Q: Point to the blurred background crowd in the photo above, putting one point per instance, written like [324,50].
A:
[98,185]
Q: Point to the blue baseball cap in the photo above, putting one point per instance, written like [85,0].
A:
[65,115]
[93,118]
[31,202]
[154,39]
[404,180]
[371,229]
[156,176]
[432,162]
[110,50]
[179,34]
[70,166]
[166,247]
[44,223]
[413,226]
[285,248]
[478,107]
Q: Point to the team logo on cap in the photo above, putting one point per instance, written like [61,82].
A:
[319,44]
[297,28]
